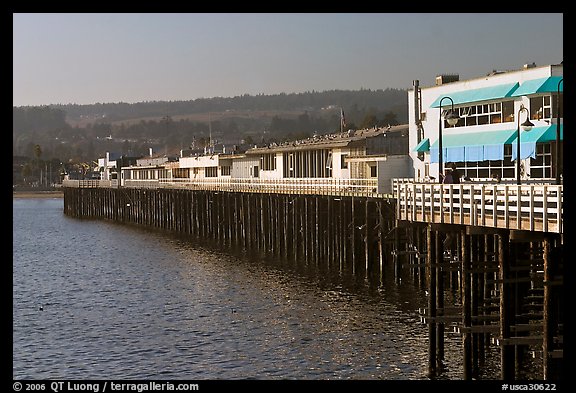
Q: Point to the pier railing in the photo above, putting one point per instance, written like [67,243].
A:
[309,186]
[315,186]
[533,207]
[90,183]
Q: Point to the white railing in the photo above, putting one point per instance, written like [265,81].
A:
[316,186]
[533,207]
[90,183]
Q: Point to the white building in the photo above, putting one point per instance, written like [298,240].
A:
[483,141]
[378,154]
[359,154]
[107,165]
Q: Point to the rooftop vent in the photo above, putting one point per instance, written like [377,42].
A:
[446,78]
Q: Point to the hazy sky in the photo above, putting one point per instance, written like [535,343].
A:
[89,58]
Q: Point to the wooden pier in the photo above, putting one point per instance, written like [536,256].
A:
[504,243]
[492,265]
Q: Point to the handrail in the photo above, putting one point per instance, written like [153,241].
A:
[310,186]
[534,207]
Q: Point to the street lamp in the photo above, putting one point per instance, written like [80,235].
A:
[527,126]
[452,118]
[558,168]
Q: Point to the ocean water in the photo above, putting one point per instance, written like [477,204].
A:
[100,300]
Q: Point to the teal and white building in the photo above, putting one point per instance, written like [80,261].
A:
[483,141]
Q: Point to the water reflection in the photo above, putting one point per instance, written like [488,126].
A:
[125,302]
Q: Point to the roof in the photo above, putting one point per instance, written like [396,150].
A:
[549,84]
[329,141]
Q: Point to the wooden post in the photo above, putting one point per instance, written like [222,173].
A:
[547,329]
[431,265]
[474,294]
[506,351]
[439,260]
[466,307]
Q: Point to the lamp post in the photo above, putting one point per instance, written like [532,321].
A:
[452,118]
[558,166]
[527,126]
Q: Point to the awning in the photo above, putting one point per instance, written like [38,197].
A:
[473,146]
[423,146]
[540,85]
[476,95]
[528,140]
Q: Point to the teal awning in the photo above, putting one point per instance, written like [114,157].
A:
[540,85]
[476,95]
[423,146]
[473,146]
[528,140]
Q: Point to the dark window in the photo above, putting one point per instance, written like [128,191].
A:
[373,171]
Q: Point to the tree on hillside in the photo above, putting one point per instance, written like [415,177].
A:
[37,151]
[369,121]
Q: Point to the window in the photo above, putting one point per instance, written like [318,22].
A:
[329,161]
[488,169]
[541,166]
[211,171]
[268,162]
[373,171]
[493,113]
[508,111]
[225,170]
[540,107]
[343,163]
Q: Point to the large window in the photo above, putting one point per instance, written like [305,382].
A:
[211,171]
[308,163]
[488,169]
[472,115]
[540,107]
[268,162]
[541,166]
[225,170]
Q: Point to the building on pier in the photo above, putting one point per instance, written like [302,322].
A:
[378,154]
[483,141]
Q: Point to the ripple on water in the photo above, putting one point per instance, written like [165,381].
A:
[122,302]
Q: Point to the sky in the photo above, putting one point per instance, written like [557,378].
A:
[100,58]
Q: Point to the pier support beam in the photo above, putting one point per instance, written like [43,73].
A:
[507,366]
[431,265]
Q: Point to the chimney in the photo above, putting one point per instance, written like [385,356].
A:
[416,84]
[150,152]
[447,78]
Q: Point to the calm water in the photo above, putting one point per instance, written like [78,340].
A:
[120,302]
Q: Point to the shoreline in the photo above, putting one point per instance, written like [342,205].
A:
[37,194]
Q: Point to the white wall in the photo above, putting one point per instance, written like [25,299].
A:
[397,166]
[199,162]
[241,166]
[337,171]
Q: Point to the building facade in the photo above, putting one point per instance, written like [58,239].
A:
[490,109]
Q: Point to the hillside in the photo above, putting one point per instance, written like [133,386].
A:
[85,132]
